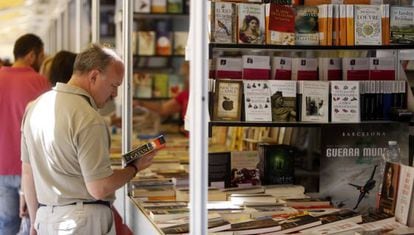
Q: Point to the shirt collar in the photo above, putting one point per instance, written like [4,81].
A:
[63,87]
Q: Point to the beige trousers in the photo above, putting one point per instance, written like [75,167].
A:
[76,219]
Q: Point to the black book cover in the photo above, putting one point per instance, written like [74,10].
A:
[276,164]
[219,168]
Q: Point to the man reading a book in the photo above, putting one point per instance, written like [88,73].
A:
[65,150]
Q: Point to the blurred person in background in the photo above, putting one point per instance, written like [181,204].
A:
[19,84]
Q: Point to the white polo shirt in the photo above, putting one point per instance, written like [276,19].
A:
[66,142]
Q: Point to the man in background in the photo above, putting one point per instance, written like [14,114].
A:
[19,84]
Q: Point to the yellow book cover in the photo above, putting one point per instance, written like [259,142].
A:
[335,21]
[342,25]
[350,40]
[385,20]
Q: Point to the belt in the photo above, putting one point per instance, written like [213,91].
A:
[99,202]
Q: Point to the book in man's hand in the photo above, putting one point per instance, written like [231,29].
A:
[139,152]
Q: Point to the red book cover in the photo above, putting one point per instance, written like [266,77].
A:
[382,68]
[256,67]
[227,67]
[281,24]
[355,69]
[281,68]
[304,69]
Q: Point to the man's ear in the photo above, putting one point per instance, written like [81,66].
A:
[30,57]
[93,75]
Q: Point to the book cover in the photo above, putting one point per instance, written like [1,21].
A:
[227,100]
[244,170]
[256,67]
[276,164]
[160,85]
[323,25]
[164,37]
[315,101]
[341,222]
[281,24]
[342,25]
[146,42]
[251,23]
[158,6]
[257,105]
[368,29]
[389,188]
[335,24]
[355,69]
[229,67]
[402,24]
[345,101]
[142,150]
[219,169]
[330,69]
[180,42]
[306,25]
[385,21]
[213,225]
[350,156]
[304,69]
[381,68]
[283,100]
[223,22]
[404,212]
[281,68]
[175,6]
[142,85]
[297,223]
[175,85]
[142,6]
[255,226]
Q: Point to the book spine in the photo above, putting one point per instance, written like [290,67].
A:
[329,25]
[385,20]
[323,24]
[342,25]
[350,38]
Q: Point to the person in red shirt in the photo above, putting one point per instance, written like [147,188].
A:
[19,84]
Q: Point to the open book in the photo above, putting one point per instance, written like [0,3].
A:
[155,144]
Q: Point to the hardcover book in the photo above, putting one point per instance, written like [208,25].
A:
[251,23]
[381,68]
[368,29]
[257,105]
[355,69]
[281,68]
[244,170]
[350,156]
[227,100]
[402,24]
[223,22]
[256,67]
[304,69]
[315,101]
[229,67]
[281,24]
[283,100]
[276,164]
[306,25]
[345,101]
[219,169]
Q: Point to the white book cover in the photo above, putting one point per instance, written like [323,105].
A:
[355,69]
[404,208]
[381,68]
[345,101]
[223,23]
[229,67]
[281,68]
[368,25]
[180,42]
[256,67]
[283,99]
[304,69]
[315,101]
[330,69]
[257,101]
[142,6]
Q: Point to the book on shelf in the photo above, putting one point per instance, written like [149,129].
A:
[325,29]
[223,22]
[355,69]
[283,100]
[251,23]
[330,69]
[381,68]
[345,101]
[244,170]
[164,37]
[304,69]
[281,68]
[142,85]
[175,6]
[142,6]
[154,193]
[257,105]
[160,87]
[229,67]
[213,225]
[402,24]
[180,42]
[404,211]
[342,25]
[279,211]
[335,24]
[258,226]
[158,6]
[219,169]
[297,223]
[252,199]
[227,102]
[146,42]
[306,25]
[368,29]
[175,85]
[314,101]
[276,164]
[385,23]
[350,156]
[389,188]
[214,194]
[256,67]
[350,25]
[281,26]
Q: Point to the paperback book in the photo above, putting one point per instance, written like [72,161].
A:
[402,24]
[251,23]
[257,101]
[345,101]
[281,24]
[229,67]
[304,69]
[314,101]
[306,25]
[256,67]
[223,22]
[281,68]
[244,172]
[368,29]
[141,151]
[227,100]
[283,100]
